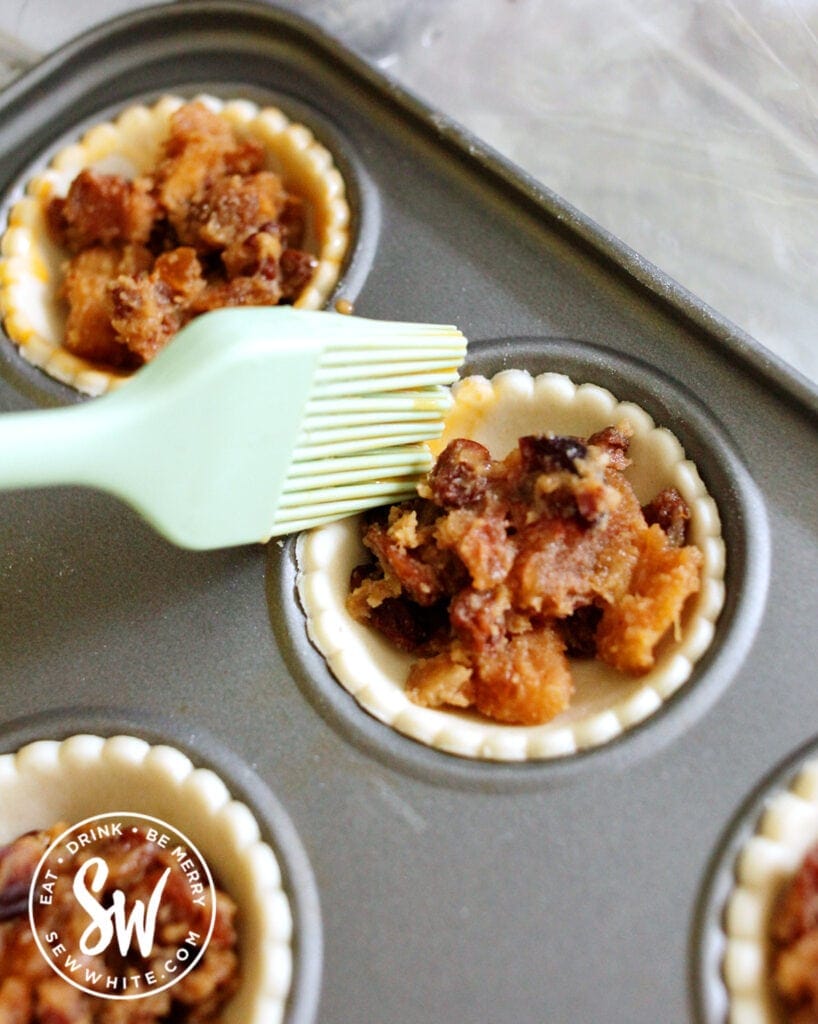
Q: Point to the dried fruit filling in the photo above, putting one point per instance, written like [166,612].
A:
[794,932]
[209,227]
[501,570]
[30,991]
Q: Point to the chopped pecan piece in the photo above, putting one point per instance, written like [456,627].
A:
[615,442]
[669,510]
[102,209]
[148,309]
[296,270]
[89,329]
[459,478]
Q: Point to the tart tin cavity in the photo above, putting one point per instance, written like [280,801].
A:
[762,849]
[106,768]
[129,619]
[127,141]
[607,708]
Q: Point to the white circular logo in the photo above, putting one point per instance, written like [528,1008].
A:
[122,905]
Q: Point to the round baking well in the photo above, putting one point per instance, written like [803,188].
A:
[108,277]
[94,777]
[759,858]
[606,706]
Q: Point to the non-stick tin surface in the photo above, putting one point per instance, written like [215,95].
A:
[450,889]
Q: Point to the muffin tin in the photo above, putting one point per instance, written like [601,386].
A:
[448,889]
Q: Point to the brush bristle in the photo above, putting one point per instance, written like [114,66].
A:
[376,398]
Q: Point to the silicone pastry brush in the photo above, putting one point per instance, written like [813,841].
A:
[251,423]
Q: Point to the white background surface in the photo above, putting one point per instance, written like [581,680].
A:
[689,128]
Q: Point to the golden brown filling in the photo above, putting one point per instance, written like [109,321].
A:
[30,991]
[794,932]
[208,227]
[502,569]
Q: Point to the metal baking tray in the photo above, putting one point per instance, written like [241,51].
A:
[426,887]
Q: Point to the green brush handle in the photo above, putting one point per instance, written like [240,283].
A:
[199,442]
[253,422]
[54,446]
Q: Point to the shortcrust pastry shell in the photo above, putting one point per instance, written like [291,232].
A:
[31,263]
[85,775]
[787,828]
[606,703]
